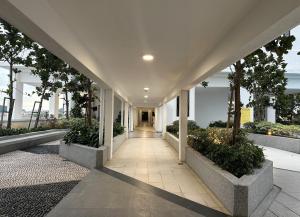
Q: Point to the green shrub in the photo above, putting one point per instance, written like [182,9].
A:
[220,124]
[174,127]
[240,159]
[82,134]
[276,129]
[118,129]
[18,131]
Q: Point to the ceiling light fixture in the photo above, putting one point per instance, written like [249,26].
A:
[148,57]
[146,89]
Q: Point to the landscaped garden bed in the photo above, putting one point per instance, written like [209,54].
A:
[284,137]
[275,129]
[237,174]
[22,141]
[81,144]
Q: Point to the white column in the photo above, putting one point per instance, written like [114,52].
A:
[150,117]
[109,121]
[18,96]
[164,119]
[156,119]
[131,119]
[54,105]
[101,118]
[126,118]
[270,114]
[182,124]
[122,113]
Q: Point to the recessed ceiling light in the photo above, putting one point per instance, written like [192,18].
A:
[148,57]
[145,96]
[146,89]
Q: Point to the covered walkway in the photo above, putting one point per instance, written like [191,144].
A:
[155,162]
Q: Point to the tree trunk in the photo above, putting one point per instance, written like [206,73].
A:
[10,95]
[230,107]
[39,110]
[67,104]
[237,100]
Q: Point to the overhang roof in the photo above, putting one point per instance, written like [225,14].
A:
[190,39]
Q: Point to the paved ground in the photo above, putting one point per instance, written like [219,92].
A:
[34,180]
[287,177]
[154,161]
[283,159]
[107,193]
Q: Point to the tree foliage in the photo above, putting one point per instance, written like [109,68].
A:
[13,45]
[46,66]
[262,74]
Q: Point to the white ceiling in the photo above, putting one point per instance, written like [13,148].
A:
[190,39]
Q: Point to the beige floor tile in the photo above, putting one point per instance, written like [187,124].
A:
[157,184]
[153,161]
[195,197]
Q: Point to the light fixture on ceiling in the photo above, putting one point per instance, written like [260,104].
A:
[146,89]
[145,96]
[148,57]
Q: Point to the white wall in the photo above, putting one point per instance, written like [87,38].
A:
[211,105]
[171,108]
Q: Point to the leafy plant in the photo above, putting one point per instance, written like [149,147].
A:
[18,131]
[240,159]
[81,133]
[174,128]
[118,129]
[277,129]
[221,124]
[13,43]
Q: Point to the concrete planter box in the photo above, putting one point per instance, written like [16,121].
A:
[23,141]
[241,196]
[172,140]
[283,143]
[118,141]
[83,155]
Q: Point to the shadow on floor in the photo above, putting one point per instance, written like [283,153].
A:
[34,200]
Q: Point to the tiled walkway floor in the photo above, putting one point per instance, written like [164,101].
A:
[153,161]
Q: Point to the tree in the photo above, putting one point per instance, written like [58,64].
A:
[46,66]
[262,74]
[13,43]
[66,74]
[83,95]
[287,107]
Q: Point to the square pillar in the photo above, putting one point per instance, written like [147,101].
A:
[101,116]
[126,119]
[109,121]
[131,119]
[54,105]
[183,100]
[122,113]
[164,119]
[18,96]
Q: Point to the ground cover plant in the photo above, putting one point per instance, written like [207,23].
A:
[216,144]
[17,131]
[174,127]
[83,133]
[275,129]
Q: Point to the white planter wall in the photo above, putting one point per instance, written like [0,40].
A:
[283,143]
[118,141]
[172,140]
[240,196]
[83,155]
